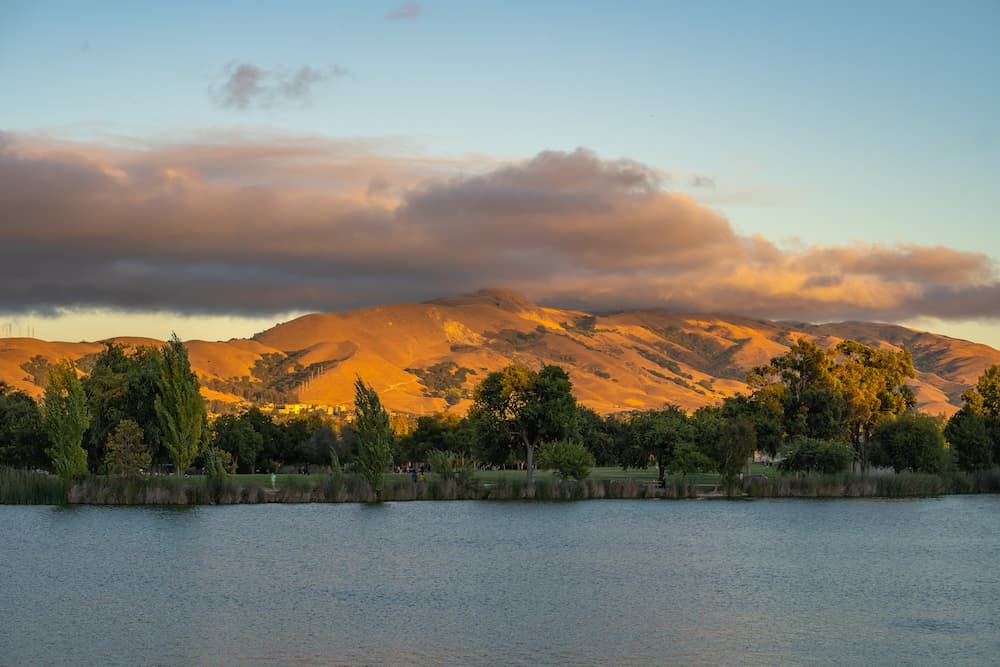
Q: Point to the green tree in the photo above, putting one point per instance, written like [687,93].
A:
[656,434]
[974,431]
[687,458]
[569,459]
[122,385]
[605,437]
[737,443]
[517,406]
[180,407]
[873,384]
[126,453]
[813,455]
[988,388]
[66,416]
[374,435]
[442,431]
[273,449]
[967,435]
[236,436]
[909,442]
[22,435]
[706,425]
[798,389]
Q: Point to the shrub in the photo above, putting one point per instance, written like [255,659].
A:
[569,460]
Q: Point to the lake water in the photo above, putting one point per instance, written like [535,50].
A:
[476,583]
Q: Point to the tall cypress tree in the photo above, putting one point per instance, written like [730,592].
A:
[66,417]
[374,435]
[180,407]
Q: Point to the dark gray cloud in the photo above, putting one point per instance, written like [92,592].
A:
[247,86]
[267,224]
[706,182]
[408,11]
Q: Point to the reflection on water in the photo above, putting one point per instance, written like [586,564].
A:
[603,582]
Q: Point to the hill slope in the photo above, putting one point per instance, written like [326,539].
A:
[428,357]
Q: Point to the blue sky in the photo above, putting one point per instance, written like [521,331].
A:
[808,124]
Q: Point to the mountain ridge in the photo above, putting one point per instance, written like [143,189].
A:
[428,357]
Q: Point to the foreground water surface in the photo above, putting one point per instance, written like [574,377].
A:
[478,583]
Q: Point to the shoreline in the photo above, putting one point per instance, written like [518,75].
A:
[25,488]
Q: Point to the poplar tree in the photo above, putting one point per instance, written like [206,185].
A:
[371,422]
[180,407]
[66,417]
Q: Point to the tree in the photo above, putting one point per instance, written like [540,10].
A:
[687,458]
[126,453]
[909,442]
[22,435]
[822,456]
[974,431]
[966,432]
[374,435]
[236,436]
[122,385]
[737,443]
[519,406]
[66,416]
[445,432]
[569,459]
[988,388]
[802,383]
[873,384]
[180,407]
[106,388]
[605,437]
[656,434]
[830,395]
[273,449]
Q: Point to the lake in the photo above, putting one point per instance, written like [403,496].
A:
[791,582]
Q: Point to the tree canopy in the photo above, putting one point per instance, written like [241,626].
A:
[517,406]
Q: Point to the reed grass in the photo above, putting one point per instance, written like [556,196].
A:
[24,487]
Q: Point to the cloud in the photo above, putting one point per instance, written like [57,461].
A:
[252,224]
[703,182]
[247,85]
[408,11]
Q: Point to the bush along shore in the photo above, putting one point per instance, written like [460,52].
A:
[29,488]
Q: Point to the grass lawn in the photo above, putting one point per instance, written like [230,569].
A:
[493,476]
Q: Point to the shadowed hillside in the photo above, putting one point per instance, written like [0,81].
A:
[428,357]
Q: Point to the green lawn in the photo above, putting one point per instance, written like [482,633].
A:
[492,476]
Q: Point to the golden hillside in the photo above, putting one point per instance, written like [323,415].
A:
[428,357]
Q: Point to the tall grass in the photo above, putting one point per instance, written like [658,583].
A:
[23,487]
[852,485]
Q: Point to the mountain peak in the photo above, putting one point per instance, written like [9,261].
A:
[503,299]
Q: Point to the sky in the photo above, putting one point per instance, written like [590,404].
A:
[215,168]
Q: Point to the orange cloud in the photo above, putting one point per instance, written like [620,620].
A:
[258,223]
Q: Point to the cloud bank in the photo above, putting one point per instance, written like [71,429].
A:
[252,225]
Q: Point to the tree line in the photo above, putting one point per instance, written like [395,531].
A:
[810,409]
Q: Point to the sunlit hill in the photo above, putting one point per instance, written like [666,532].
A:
[428,357]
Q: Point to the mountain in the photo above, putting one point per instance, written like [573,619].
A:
[428,357]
